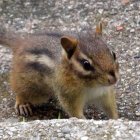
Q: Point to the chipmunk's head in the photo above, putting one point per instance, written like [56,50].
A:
[90,59]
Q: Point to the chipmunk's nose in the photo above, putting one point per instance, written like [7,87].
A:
[112,79]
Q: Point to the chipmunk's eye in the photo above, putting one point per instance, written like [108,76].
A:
[87,65]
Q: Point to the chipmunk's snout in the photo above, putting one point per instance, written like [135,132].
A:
[112,77]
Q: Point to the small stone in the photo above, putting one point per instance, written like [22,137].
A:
[13,129]
[132,30]
[60,135]
[58,131]
[85,138]
[118,133]
[67,136]
[93,129]
[54,138]
[128,70]
[10,133]
[65,130]
[4,99]
[137,113]
[100,11]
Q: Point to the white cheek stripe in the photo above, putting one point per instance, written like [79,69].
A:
[42,59]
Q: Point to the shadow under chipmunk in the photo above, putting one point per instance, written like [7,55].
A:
[52,110]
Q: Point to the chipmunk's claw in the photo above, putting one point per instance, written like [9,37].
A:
[24,110]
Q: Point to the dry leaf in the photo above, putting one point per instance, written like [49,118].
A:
[124,2]
[119,28]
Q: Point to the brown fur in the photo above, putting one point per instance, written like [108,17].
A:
[41,69]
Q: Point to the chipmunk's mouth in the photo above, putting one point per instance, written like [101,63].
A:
[108,82]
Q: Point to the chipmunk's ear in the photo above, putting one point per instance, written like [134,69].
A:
[99,29]
[69,44]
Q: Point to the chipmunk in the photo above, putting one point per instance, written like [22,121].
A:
[76,68]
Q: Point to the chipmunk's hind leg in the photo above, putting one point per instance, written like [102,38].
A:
[30,90]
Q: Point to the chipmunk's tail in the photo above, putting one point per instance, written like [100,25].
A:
[7,37]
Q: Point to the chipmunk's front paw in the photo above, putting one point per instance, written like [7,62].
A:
[24,110]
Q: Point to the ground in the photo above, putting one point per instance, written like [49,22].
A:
[121,20]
